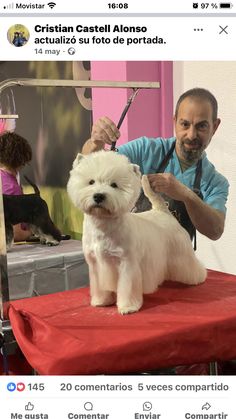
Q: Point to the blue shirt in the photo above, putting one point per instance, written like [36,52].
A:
[148,153]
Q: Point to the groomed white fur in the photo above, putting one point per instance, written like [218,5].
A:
[129,254]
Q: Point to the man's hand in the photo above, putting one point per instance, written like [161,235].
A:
[207,220]
[167,183]
[104,131]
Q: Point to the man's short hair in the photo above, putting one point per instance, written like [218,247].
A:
[202,94]
[15,151]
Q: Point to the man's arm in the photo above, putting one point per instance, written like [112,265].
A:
[207,220]
[104,131]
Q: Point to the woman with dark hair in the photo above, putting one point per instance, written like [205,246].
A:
[15,153]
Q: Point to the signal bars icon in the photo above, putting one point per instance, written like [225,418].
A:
[9,6]
[51,4]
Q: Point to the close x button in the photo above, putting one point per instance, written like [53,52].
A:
[223,30]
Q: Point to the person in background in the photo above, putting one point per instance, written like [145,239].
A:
[15,153]
[178,167]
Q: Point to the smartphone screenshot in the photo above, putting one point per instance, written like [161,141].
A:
[117,210]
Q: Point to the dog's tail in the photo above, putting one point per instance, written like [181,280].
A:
[34,186]
[156,200]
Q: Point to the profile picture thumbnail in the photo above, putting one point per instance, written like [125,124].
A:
[18,35]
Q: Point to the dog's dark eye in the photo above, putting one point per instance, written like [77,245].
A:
[114,185]
[91,182]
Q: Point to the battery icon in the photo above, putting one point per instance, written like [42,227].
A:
[226,5]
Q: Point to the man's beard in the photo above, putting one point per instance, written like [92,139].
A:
[191,154]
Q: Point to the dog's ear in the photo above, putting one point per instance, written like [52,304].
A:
[77,160]
[136,170]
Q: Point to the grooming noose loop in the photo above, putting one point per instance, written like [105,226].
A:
[130,100]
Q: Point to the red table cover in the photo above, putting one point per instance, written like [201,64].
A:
[61,334]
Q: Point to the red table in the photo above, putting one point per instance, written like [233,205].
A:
[61,334]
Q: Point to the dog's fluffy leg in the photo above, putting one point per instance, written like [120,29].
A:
[191,271]
[99,297]
[129,290]
[45,239]
[156,200]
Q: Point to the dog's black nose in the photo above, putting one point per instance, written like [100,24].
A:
[98,197]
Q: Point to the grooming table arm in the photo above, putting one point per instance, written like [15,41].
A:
[79,83]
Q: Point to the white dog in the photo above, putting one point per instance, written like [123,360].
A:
[129,254]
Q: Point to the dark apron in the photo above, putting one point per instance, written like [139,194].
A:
[177,208]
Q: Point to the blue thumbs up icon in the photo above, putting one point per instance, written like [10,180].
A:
[11,386]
